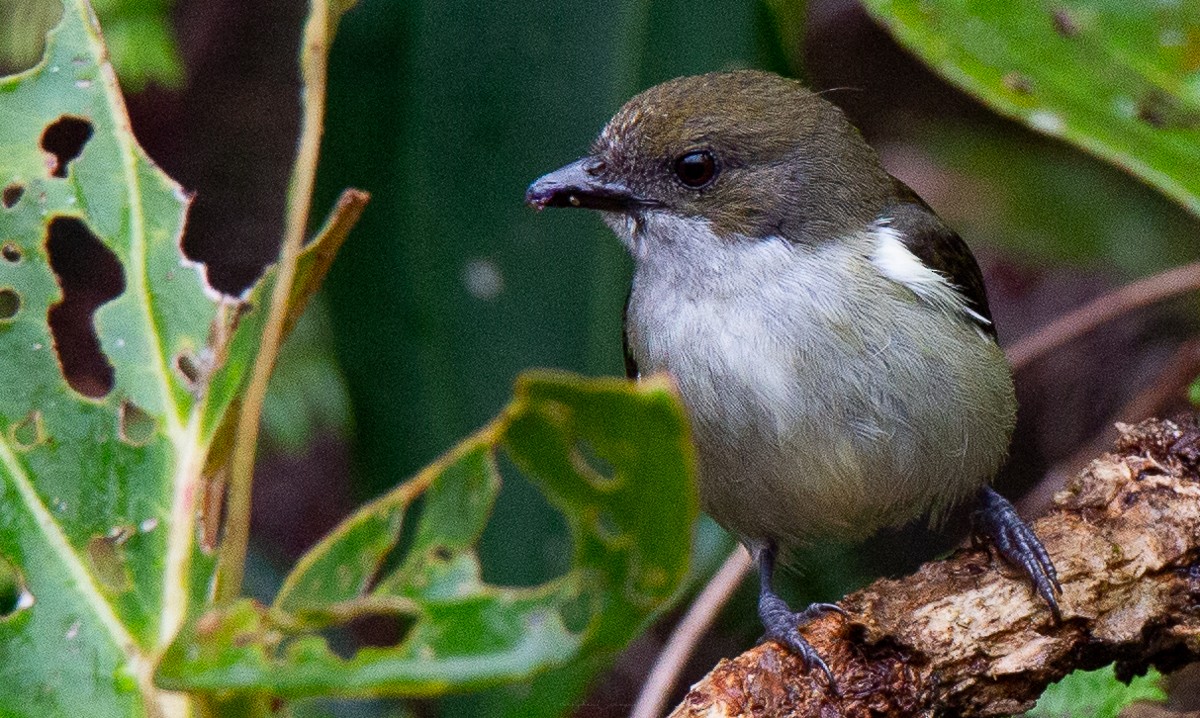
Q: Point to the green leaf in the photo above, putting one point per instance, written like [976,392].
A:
[789,19]
[22,34]
[1047,202]
[143,47]
[1118,79]
[98,461]
[1096,694]
[614,457]
[117,366]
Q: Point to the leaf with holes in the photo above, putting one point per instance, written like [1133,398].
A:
[614,457]
[117,364]
[1119,79]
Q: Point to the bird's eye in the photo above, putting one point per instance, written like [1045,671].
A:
[696,169]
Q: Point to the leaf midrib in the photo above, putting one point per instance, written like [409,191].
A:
[184,440]
[49,528]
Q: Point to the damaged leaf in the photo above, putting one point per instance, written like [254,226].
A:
[117,364]
[107,301]
[612,456]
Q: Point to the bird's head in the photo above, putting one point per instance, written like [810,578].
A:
[747,154]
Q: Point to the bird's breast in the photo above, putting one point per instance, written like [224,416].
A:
[823,400]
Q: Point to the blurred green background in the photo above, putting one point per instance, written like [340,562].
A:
[445,111]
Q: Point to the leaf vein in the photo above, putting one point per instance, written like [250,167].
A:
[61,546]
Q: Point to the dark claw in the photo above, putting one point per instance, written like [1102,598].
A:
[1019,545]
[783,626]
[816,609]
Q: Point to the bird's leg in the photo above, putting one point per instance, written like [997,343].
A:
[998,521]
[782,624]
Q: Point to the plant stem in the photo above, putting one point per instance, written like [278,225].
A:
[688,632]
[1103,309]
[314,55]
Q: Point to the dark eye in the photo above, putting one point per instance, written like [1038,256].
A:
[696,169]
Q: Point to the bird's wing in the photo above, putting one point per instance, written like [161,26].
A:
[922,233]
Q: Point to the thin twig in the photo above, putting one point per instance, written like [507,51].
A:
[688,632]
[1168,386]
[324,247]
[1103,309]
[1072,325]
[314,56]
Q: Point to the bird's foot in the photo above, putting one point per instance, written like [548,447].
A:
[783,626]
[998,521]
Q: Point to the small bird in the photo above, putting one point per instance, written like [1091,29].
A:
[829,335]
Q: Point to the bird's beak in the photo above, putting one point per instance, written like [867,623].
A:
[575,186]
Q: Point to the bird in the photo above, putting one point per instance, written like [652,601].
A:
[829,335]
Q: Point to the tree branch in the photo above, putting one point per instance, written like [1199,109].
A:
[967,635]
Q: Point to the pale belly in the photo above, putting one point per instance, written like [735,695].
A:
[815,414]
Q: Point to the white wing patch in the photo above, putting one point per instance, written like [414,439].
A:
[897,263]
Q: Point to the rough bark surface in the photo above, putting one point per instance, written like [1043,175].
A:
[967,635]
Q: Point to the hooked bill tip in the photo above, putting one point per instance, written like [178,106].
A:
[536,198]
[575,186]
